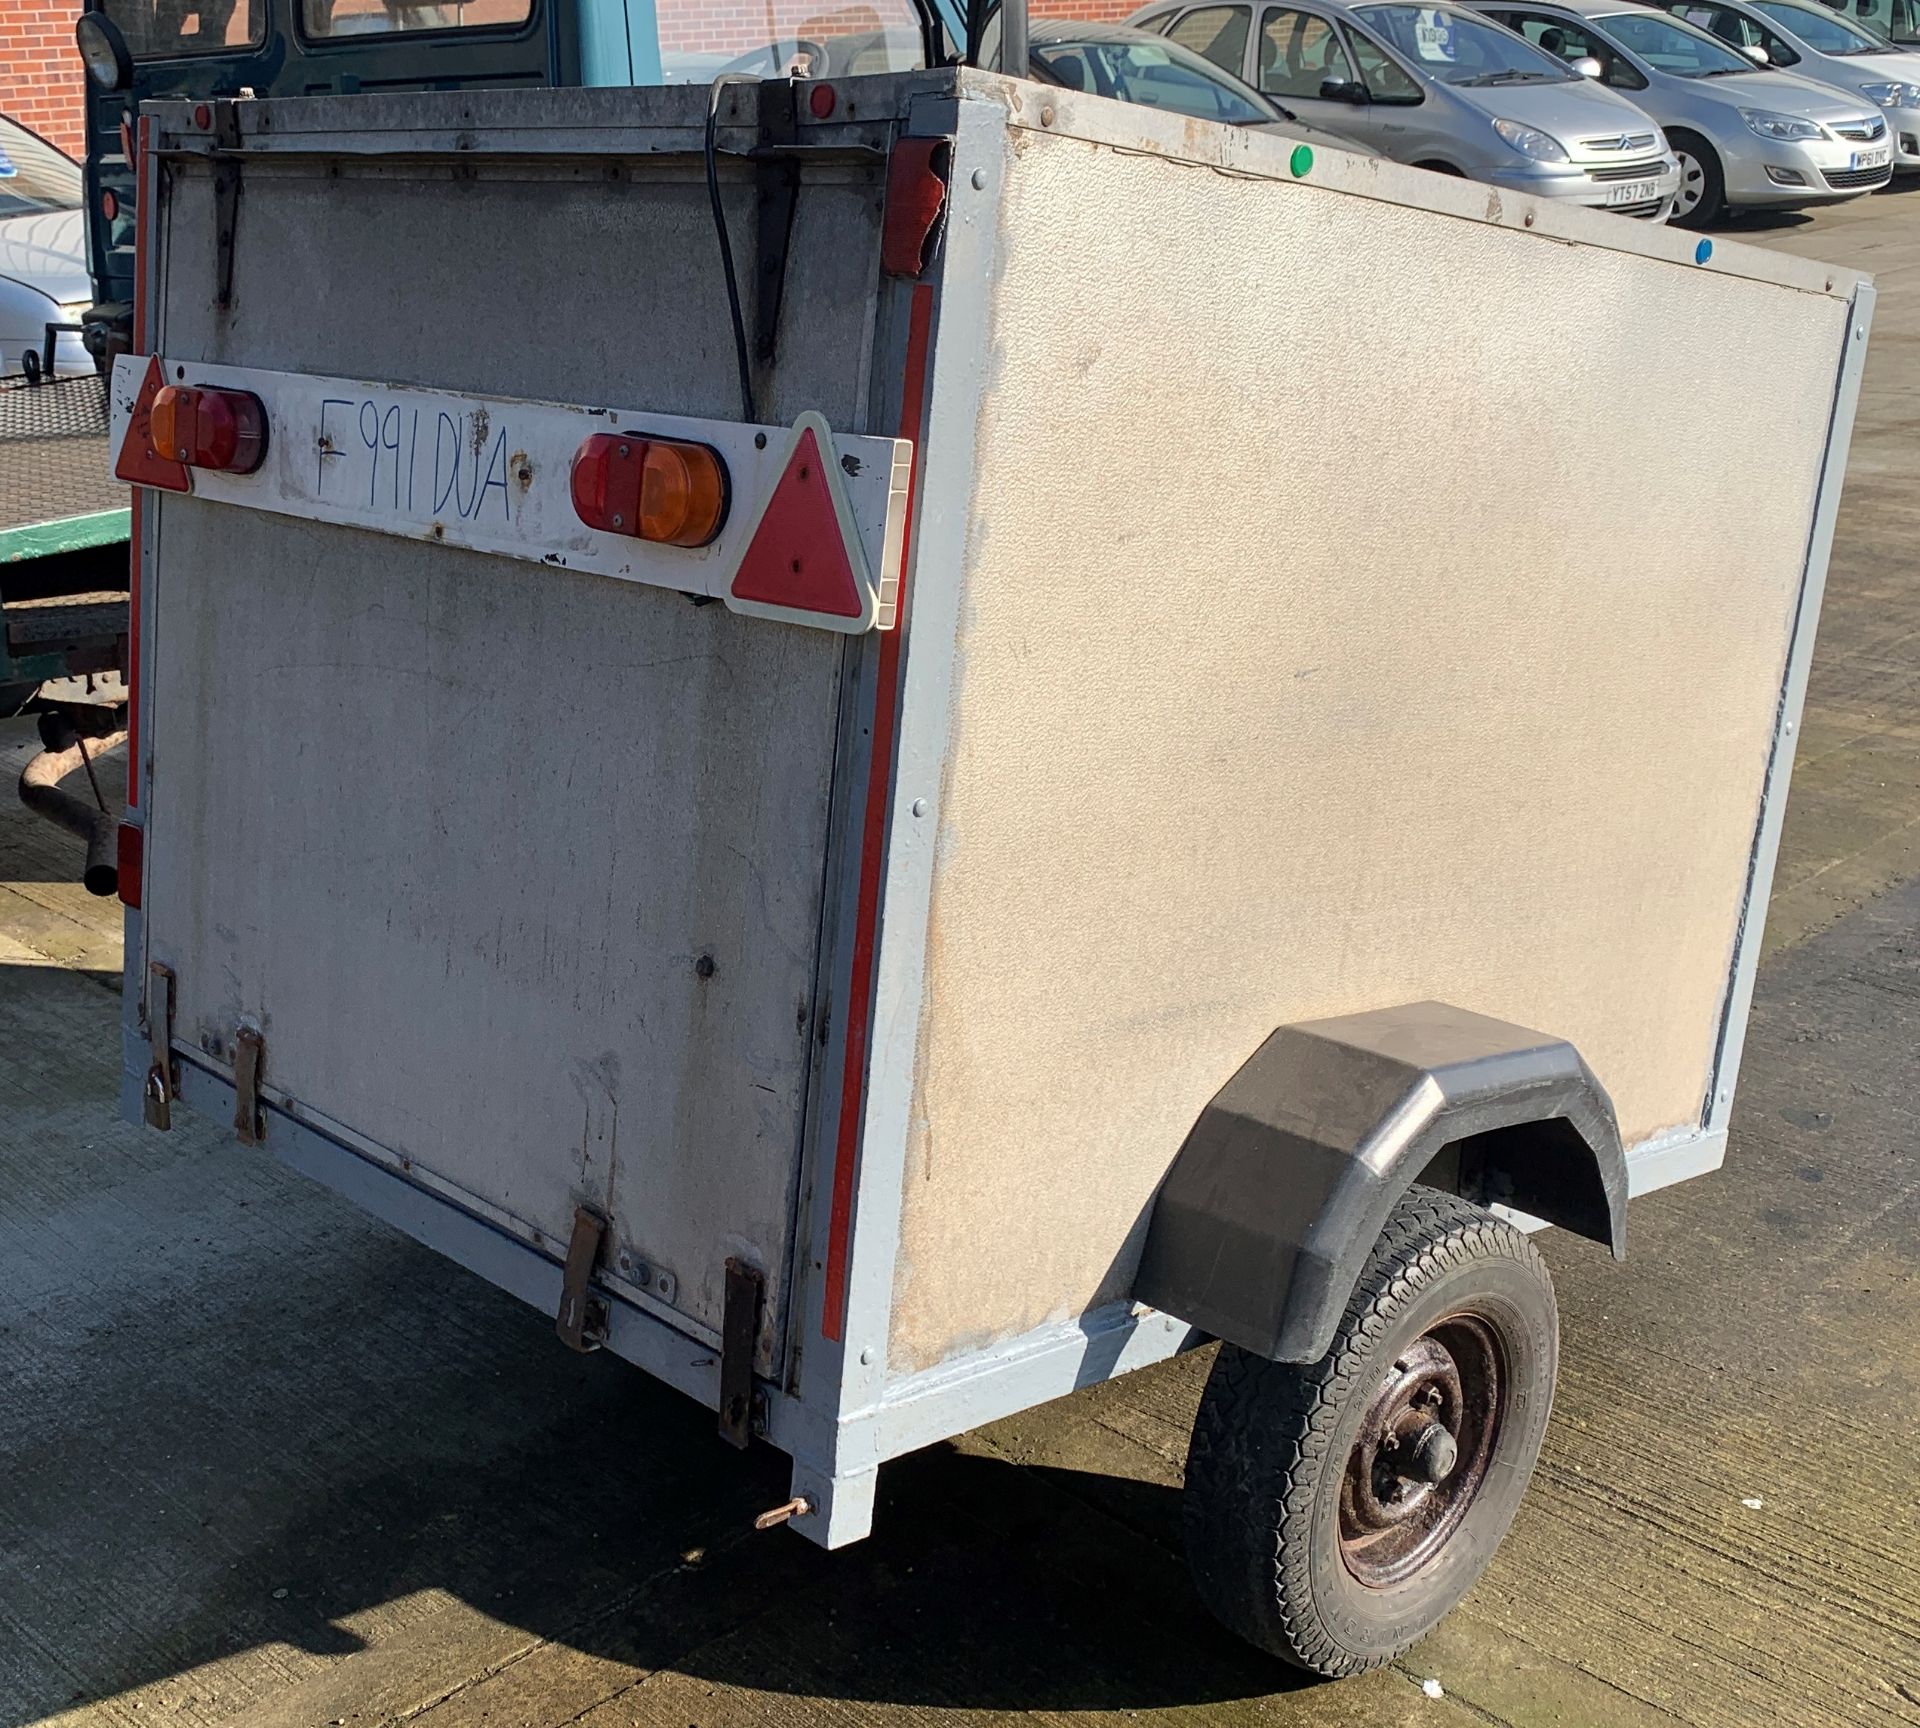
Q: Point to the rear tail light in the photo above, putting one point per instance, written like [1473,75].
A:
[656,489]
[109,204]
[220,429]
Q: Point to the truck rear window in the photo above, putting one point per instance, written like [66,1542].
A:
[155,29]
[391,17]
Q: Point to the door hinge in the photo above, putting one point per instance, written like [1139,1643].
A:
[158,1106]
[226,197]
[739,1328]
[776,191]
[249,1057]
[582,1319]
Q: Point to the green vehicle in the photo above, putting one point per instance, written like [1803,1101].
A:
[140,50]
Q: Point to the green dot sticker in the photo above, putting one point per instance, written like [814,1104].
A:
[1300,161]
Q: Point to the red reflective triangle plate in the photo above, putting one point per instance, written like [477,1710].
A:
[798,558]
[139,463]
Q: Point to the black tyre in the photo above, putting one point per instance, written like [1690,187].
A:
[1335,1512]
[1702,195]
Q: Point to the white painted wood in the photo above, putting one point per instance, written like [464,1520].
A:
[491,474]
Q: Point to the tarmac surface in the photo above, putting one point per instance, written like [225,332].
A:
[265,1462]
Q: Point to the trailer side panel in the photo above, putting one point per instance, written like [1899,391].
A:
[1375,603]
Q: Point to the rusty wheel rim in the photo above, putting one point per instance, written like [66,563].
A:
[1421,1455]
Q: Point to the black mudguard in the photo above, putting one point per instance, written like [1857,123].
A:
[1282,1187]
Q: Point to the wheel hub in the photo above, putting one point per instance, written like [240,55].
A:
[1422,1451]
[1692,182]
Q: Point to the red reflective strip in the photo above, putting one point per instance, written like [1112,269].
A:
[916,194]
[833,1306]
[142,221]
[130,854]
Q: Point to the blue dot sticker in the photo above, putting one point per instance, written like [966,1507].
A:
[1703,252]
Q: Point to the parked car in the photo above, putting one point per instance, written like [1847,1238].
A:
[1112,60]
[1897,20]
[1440,88]
[1136,66]
[1747,136]
[1818,43]
[43,253]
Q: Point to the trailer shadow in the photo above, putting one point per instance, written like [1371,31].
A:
[324,1443]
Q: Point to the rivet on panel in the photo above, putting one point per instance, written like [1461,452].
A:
[866,1357]
[919,806]
[980,185]
[1046,116]
[1527,220]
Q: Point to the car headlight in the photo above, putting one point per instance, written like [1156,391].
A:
[1770,125]
[1530,141]
[1893,95]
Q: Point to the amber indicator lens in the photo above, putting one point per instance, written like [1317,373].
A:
[658,489]
[225,430]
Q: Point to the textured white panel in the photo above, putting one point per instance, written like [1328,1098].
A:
[1364,604]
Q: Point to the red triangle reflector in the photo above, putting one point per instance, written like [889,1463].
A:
[801,556]
[139,463]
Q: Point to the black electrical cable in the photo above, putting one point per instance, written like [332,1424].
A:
[726,247]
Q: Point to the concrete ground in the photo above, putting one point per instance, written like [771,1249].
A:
[264,1462]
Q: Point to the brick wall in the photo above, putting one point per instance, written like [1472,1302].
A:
[41,84]
[1113,11]
[712,26]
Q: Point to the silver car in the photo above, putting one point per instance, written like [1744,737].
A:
[1746,136]
[1437,87]
[1819,43]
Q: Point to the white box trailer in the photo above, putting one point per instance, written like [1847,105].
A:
[1229,740]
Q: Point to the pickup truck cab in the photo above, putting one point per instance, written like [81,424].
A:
[203,50]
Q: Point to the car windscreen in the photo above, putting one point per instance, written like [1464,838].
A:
[34,177]
[1827,32]
[1458,48]
[700,41]
[1669,46]
[157,29]
[1153,74]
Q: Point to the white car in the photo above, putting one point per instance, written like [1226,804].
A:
[43,252]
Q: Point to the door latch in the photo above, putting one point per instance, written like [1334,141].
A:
[582,1320]
[157,1102]
[249,1057]
[739,1328]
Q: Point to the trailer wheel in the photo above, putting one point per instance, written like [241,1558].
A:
[1336,1511]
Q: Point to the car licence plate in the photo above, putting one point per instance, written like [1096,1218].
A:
[1878,157]
[1634,192]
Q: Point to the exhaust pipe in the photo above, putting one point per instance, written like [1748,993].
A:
[41,792]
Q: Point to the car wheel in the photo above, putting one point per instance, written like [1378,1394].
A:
[1335,1511]
[1702,193]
